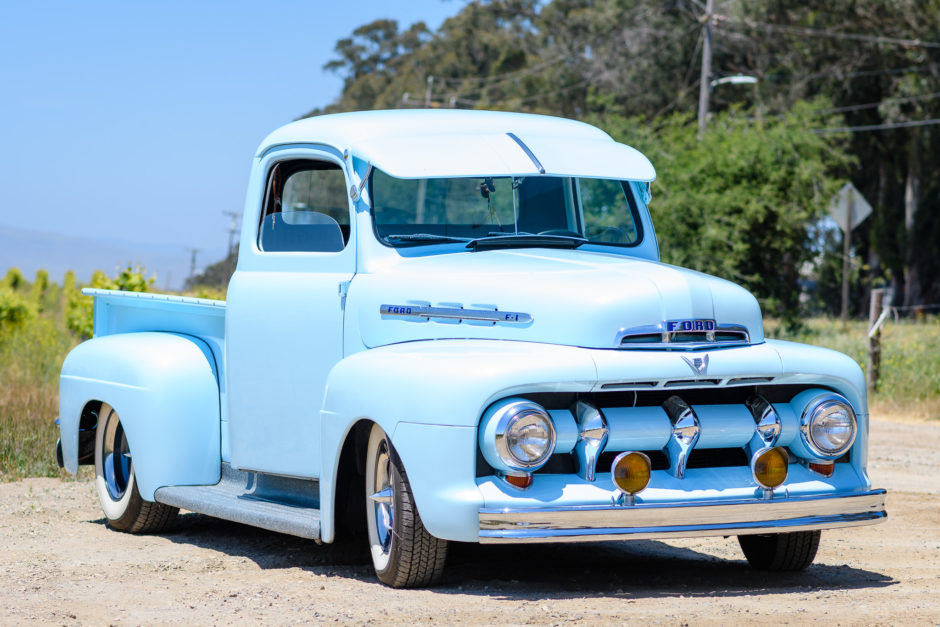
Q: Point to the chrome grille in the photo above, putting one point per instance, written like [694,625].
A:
[637,420]
[658,338]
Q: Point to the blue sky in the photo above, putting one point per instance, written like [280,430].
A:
[136,121]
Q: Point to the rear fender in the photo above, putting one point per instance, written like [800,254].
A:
[164,387]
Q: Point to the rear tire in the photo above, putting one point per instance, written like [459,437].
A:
[116,483]
[781,551]
[404,554]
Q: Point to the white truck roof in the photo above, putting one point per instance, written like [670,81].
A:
[421,143]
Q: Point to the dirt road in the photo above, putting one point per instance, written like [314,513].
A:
[61,565]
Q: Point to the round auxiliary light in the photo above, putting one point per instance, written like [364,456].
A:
[525,435]
[630,472]
[828,425]
[769,466]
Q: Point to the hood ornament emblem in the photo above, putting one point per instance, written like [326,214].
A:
[699,365]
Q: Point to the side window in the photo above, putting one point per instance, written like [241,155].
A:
[305,208]
[608,214]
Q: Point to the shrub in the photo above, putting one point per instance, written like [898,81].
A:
[79,314]
[14,310]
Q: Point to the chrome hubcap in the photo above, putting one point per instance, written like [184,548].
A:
[115,457]
[383,499]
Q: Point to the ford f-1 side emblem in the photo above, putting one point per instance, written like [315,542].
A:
[425,313]
[699,365]
[698,324]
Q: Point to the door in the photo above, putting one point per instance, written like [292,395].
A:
[284,320]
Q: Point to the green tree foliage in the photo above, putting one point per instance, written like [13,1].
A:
[213,281]
[13,279]
[79,315]
[589,59]
[38,291]
[69,283]
[738,203]
[14,310]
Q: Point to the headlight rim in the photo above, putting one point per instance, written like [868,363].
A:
[512,413]
[815,408]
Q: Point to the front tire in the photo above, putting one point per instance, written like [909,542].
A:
[781,551]
[116,483]
[404,554]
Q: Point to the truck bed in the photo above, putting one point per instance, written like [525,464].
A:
[131,312]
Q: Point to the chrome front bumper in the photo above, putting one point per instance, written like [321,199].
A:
[680,520]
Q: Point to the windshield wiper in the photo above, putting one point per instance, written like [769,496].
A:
[425,237]
[526,241]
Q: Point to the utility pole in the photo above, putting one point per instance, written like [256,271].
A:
[704,83]
[846,252]
[232,232]
[192,263]
[427,93]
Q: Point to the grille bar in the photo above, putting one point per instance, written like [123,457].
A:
[657,337]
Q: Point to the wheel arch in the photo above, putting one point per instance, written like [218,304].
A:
[165,389]
[428,398]
[348,502]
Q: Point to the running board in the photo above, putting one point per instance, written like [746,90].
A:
[271,502]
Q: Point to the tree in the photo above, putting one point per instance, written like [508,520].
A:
[877,62]
[738,203]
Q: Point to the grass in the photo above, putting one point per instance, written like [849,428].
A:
[909,384]
[32,351]
[30,358]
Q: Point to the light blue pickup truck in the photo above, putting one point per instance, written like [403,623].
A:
[454,326]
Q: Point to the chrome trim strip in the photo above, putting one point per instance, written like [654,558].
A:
[648,521]
[454,313]
[528,152]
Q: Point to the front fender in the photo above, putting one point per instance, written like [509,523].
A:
[164,387]
[428,397]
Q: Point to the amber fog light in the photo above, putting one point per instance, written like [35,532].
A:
[630,472]
[770,466]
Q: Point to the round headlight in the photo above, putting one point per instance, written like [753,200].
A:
[525,436]
[828,425]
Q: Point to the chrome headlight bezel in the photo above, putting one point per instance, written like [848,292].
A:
[817,409]
[515,415]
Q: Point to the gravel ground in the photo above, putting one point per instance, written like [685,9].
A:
[62,565]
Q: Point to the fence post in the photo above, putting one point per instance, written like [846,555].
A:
[874,337]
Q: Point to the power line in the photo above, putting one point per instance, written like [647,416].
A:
[816,32]
[536,97]
[873,105]
[461,91]
[577,84]
[876,127]
[500,78]
[863,73]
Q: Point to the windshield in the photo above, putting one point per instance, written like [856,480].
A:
[411,212]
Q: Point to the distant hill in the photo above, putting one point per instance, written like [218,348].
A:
[33,250]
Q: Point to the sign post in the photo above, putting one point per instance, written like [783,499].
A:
[848,208]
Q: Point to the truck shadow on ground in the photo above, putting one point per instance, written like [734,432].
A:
[634,569]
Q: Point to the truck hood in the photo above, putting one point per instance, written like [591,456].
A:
[567,297]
